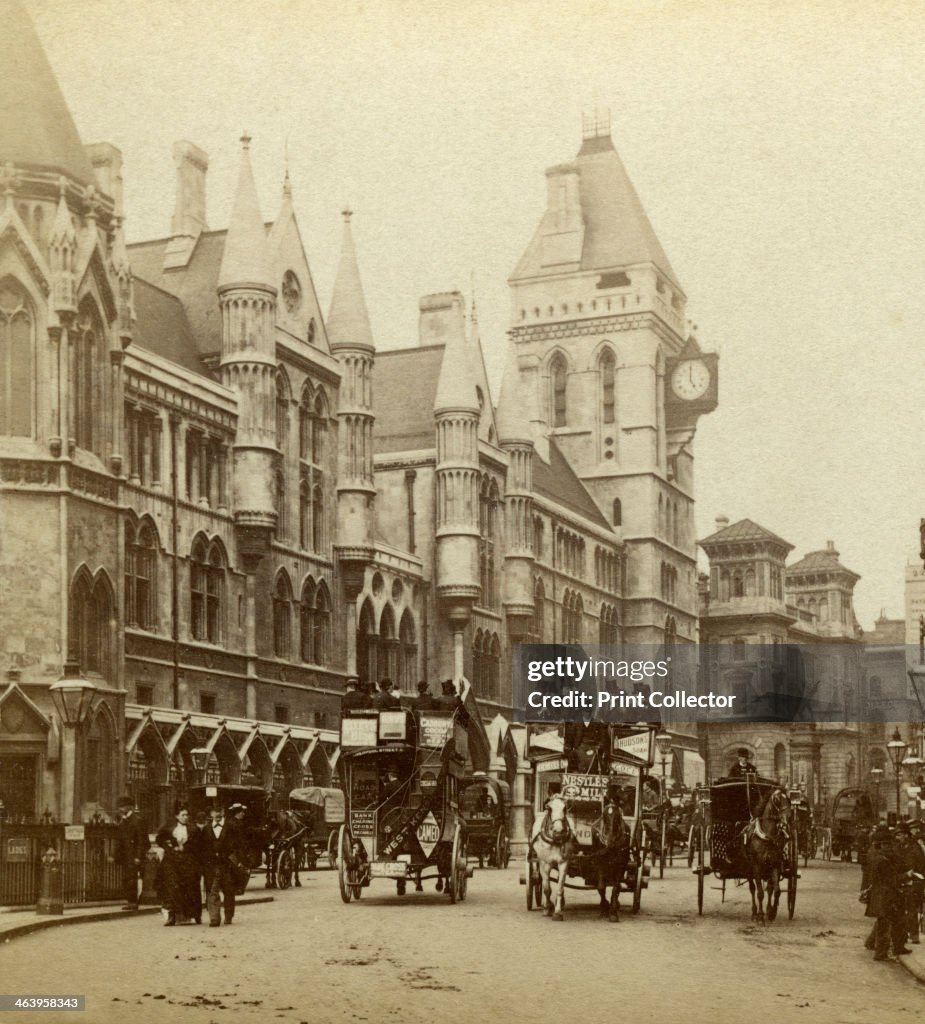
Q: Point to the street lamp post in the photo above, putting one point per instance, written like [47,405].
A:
[200,756]
[663,745]
[876,774]
[896,748]
[73,698]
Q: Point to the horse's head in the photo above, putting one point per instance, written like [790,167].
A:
[612,828]
[779,806]
[557,819]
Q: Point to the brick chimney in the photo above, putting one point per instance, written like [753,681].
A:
[442,317]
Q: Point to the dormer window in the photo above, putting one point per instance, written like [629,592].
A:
[291,292]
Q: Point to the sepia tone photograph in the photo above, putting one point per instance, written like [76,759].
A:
[352,354]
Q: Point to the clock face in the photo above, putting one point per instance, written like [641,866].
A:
[690,379]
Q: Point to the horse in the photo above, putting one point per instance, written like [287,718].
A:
[764,837]
[610,855]
[553,843]
[284,828]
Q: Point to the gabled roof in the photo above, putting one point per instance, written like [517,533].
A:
[36,127]
[404,388]
[162,327]
[744,530]
[557,481]
[195,285]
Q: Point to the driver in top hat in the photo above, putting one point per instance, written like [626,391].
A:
[743,766]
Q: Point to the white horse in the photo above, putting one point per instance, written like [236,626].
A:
[553,842]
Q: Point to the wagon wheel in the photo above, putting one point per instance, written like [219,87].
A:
[348,873]
[456,883]
[663,846]
[792,876]
[284,865]
[332,848]
[502,848]
[692,832]
[701,846]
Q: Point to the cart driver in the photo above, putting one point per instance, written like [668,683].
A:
[743,766]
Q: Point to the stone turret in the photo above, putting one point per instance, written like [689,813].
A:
[515,438]
[456,411]
[351,340]
[247,296]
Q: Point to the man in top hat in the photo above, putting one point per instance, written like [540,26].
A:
[884,896]
[201,845]
[230,858]
[354,697]
[423,701]
[134,844]
[911,857]
[743,766]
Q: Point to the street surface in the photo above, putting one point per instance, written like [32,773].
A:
[308,957]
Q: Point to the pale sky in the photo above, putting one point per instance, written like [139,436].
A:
[778,149]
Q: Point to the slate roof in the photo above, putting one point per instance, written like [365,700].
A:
[404,387]
[36,127]
[195,285]
[744,530]
[162,327]
[557,480]
[825,560]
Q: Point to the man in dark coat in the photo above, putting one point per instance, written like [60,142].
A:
[385,700]
[911,857]
[133,848]
[354,698]
[423,701]
[230,859]
[202,847]
[743,766]
[884,897]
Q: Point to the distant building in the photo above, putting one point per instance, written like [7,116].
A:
[752,597]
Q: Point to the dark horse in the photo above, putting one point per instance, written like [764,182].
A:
[765,836]
[610,855]
[284,830]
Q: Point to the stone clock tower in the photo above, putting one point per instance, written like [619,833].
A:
[601,338]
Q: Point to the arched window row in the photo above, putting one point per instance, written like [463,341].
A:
[314,413]
[17,353]
[669,583]
[91,622]
[569,553]
[607,569]
[207,464]
[384,653]
[315,623]
[486,665]
[208,566]
[141,550]
[573,610]
[609,629]
[311,514]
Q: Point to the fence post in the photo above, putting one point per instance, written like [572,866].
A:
[51,890]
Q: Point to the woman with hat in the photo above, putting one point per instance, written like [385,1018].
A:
[178,876]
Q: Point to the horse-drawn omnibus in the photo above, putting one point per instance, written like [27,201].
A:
[588,815]
[486,805]
[402,771]
[852,818]
[746,834]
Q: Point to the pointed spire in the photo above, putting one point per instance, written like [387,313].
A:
[246,259]
[348,320]
[36,128]
[512,416]
[456,384]
[62,230]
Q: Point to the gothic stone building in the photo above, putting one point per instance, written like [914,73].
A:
[217,502]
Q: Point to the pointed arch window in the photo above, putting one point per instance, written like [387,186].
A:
[306,420]
[489,501]
[282,616]
[140,575]
[367,644]
[608,367]
[558,375]
[617,512]
[317,518]
[17,348]
[207,590]
[87,376]
[388,644]
[319,434]
[90,625]
[539,610]
[282,411]
[305,516]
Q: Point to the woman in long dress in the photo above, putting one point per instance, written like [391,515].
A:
[178,875]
